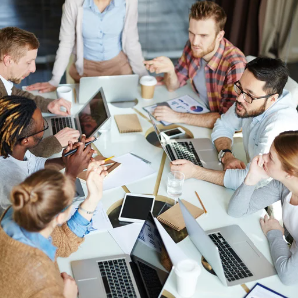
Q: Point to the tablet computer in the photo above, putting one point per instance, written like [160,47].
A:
[135,207]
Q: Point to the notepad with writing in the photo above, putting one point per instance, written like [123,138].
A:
[115,165]
[128,123]
[173,217]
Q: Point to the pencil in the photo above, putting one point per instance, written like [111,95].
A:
[201,202]
[109,158]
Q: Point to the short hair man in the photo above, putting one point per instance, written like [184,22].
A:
[209,60]
[18,51]
[263,110]
[21,129]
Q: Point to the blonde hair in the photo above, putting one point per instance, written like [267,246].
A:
[38,199]
[286,146]
[15,42]
[203,10]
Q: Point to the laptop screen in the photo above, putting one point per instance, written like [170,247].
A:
[94,114]
[151,259]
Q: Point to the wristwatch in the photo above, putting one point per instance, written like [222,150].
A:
[222,153]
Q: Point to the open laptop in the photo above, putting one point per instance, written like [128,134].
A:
[87,121]
[140,274]
[123,88]
[201,152]
[231,254]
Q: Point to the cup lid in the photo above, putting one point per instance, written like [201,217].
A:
[148,81]
[187,267]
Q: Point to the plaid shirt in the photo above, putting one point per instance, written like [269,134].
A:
[222,71]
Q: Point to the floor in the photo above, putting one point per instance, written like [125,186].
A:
[163,27]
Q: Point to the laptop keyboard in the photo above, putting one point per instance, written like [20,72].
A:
[234,268]
[116,279]
[60,123]
[184,150]
[151,280]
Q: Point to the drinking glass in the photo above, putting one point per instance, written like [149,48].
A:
[174,185]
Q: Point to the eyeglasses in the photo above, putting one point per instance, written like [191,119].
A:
[248,98]
[45,127]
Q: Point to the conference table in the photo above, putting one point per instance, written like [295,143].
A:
[214,197]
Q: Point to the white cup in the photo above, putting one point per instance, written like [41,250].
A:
[187,273]
[65,92]
[147,86]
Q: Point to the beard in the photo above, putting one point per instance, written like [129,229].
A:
[248,114]
[37,140]
[206,52]
[15,80]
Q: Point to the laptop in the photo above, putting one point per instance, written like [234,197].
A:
[140,274]
[231,254]
[87,121]
[200,152]
[118,89]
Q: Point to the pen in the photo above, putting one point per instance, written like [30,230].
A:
[75,150]
[143,159]
[109,158]
[108,164]
[201,202]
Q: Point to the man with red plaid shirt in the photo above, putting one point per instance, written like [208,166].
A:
[211,63]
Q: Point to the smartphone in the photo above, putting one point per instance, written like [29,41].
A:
[173,133]
[135,207]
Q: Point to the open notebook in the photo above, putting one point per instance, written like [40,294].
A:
[115,165]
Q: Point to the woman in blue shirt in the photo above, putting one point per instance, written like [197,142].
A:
[37,229]
[103,36]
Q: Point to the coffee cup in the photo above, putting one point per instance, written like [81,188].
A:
[187,273]
[147,86]
[65,92]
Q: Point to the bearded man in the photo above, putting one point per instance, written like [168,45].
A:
[209,60]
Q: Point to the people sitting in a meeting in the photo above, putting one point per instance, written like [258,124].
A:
[263,110]
[281,164]
[21,128]
[112,49]
[18,50]
[210,61]
[37,229]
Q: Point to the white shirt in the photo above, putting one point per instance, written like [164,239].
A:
[13,172]
[290,219]
[258,132]
[7,84]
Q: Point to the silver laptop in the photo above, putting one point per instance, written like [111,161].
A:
[231,254]
[117,89]
[201,152]
[140,274]
[87,121]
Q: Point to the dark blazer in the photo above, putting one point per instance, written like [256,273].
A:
[49,145]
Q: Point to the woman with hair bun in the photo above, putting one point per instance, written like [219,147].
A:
[37,229]
[281,164]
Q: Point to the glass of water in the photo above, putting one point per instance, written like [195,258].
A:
[174,185]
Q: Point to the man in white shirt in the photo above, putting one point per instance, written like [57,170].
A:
[18,51]
[263,110]
[21,128]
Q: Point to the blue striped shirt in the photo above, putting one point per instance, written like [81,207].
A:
[102,30]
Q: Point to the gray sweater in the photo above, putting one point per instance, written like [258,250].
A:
[247,200]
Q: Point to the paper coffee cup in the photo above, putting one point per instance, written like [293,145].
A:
[147,86]
[187,273]
[65,92]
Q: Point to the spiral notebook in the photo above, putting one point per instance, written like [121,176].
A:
[128,123]
[173,217]
[115,165]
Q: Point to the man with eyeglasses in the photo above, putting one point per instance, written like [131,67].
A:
[21,129]
[263,109]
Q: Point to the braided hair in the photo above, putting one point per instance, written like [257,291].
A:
[15,121]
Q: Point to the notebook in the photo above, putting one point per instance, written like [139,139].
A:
[173,217]
[128,123]
[115,165]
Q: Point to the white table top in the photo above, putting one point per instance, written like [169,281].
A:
[215,199]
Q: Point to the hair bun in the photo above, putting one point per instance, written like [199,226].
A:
[19,197]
